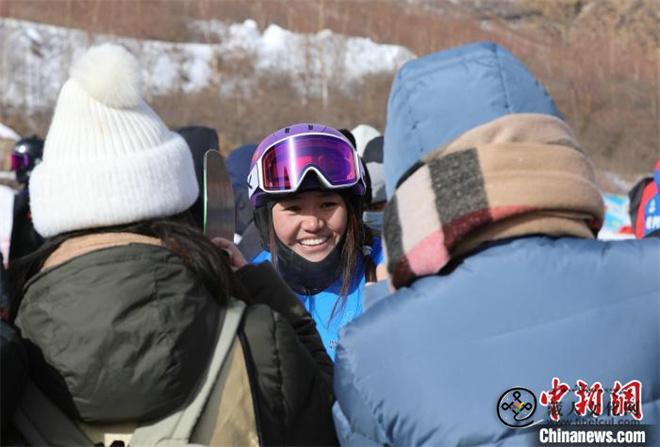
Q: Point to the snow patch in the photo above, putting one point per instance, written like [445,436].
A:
[37,57]
[164,74]
[197,67]
[7,133]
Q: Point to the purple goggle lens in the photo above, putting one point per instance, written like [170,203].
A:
[285,163]
[19,161]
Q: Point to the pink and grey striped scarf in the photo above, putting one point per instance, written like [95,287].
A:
[518,175]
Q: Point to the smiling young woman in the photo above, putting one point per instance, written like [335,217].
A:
[307,183]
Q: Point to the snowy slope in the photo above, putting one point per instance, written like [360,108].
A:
[36,58]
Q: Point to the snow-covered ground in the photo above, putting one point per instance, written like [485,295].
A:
[36,58]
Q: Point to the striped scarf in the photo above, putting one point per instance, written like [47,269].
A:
[518,175]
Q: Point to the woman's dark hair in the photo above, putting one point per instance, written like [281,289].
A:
[178,234]
[357,236]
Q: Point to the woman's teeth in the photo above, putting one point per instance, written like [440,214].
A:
[313,242]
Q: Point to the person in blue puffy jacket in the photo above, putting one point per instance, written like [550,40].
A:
[499,281]
[306,183]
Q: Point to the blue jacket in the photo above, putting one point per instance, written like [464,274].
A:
[321,305]
[427,365]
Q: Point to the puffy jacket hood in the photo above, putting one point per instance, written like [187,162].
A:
[436,98]
[119,334]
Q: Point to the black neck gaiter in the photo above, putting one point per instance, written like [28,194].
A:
[307,277]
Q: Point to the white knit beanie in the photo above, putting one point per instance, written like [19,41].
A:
[108,158]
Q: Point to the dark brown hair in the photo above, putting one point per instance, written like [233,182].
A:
[178,233]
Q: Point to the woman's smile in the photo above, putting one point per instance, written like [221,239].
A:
[311,223]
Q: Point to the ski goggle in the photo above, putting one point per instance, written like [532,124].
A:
[282,167]
[19,162]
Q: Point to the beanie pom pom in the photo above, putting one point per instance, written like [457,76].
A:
[110,74]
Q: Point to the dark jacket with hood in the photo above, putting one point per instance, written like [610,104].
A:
[120,330]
